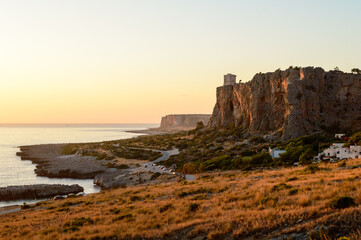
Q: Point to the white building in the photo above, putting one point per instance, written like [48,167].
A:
[338,151]
[229,79]
[275,153]
[340,135]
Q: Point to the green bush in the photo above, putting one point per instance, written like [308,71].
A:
[263,158]
[69,149]
[355,139]
[222,162]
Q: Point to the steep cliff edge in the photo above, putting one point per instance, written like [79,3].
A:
[183,120]
[291,103]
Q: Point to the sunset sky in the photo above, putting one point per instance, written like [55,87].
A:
[104,61]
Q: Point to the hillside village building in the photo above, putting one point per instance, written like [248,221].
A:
[275,153]
[229,79]
[340,135]
[338,151]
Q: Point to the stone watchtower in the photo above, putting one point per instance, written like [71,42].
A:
[229,79]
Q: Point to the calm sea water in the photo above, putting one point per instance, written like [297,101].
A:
[14,171]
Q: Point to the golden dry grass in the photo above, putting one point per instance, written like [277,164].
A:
[233,204]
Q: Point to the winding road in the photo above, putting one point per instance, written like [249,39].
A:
[166,154]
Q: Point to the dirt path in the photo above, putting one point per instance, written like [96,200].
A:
[166,154]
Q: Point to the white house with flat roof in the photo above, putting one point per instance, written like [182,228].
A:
[276,153]
[338,151]
[340,135]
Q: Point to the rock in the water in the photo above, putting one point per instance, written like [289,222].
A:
[291,103]
[37,191]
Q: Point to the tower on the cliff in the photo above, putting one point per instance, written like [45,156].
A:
[229,79]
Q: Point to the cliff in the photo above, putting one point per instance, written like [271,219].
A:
[291,103]
[183,120]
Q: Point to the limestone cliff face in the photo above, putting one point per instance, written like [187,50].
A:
[291,102]
[183,120]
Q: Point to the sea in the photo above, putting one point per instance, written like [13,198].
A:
[14,171]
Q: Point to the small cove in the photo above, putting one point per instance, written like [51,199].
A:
[14,171]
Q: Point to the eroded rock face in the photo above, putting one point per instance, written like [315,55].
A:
[37,191]
[184,120]
[291,103]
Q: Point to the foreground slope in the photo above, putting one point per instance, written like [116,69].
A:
[300,202]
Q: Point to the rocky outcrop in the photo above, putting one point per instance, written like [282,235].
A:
[183,120]
[37,191]
[291,103]
[53,164]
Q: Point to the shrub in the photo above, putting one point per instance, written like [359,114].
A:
[291,179]
[342,202]
[165,208]
[182,194]
[262,158]
[189,168]
[354,139]
[223,162]
[125,216]
[342,164]
[69,149]
[193,207]
[293,191]
[118,166]
[264,200]
[280,186]
[76,223]
[256,139]
[25,206]
[312,168]
[135,198]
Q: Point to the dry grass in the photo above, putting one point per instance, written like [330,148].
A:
[257,204]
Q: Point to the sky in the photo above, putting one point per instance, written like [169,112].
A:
[120,61]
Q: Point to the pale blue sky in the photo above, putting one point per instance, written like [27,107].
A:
[134,61]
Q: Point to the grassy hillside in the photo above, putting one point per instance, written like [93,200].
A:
[315,201]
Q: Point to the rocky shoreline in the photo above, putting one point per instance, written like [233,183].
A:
[37,191]
[51,163]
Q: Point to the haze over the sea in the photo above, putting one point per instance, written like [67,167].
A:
[90,61]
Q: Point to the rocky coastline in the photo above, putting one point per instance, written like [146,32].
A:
[37,191]
[53,164]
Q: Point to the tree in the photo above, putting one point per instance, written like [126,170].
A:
[356,70]
[189,168]
[336,69]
